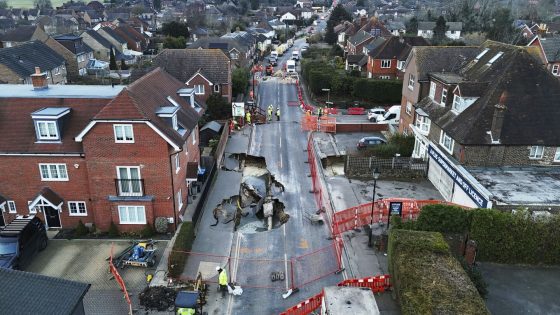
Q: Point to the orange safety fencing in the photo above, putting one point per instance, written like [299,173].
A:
[314,123]
[119,280]
[356,217]
[377,284]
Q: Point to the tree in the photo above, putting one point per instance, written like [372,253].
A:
[330,35]
[123,65]
[175,29]
[157,4]
[360,3]
[112,60]
[439,30]
[337,51]
[412,26]
[42,4]
[339,14]
[3,4]
[255,4]
[174,42]
[501,29]
[217,107]
[239,81]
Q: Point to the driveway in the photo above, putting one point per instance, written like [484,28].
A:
[85,261]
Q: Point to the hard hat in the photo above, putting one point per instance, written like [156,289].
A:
[218,268]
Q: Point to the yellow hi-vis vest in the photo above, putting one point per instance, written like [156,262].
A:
[185,311]
[222,279]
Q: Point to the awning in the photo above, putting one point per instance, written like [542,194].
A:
[46,197]
[192,171]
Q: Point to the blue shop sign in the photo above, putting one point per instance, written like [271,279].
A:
[463,183]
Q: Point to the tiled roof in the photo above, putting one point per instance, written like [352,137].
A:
[23,59]
[141,99]
[100,39]
[441,58]
[73,43]
[184,63]
[397,47]
[359,38]
[114,35]
[354,59]
[451,26]
[551,48]
[50,295]
[20,34]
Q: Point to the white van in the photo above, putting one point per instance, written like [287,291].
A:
[290,66]
[295,55]
[392,116]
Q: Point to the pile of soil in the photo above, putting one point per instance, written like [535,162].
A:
[157,298]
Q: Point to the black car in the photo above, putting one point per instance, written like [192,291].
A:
[370,141]
[21,240]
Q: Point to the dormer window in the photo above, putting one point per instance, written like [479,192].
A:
[48,123]
[47,130]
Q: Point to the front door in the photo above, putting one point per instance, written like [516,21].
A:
[52,216]
[2,222]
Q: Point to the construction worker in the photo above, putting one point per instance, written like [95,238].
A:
[222,280]
[216,213]
[185,311]
[269,116]
[277,113]
[248,118]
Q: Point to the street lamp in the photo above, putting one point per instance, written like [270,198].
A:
[376,174]
[328,95]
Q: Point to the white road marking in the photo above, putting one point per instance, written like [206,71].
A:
[285,258]
[233,273]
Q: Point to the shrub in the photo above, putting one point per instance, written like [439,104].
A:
[378,91]
[183,243]
[401,144]
[147,232]
[81,229]
[113,230]
[443,218]
[427,278]
[161,225]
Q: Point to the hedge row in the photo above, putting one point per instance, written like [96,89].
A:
[427,278]
[183,243]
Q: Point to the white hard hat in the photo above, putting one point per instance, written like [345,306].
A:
[218,268]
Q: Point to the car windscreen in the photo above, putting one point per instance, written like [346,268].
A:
[8,247]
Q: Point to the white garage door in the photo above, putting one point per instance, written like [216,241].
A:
[441,180]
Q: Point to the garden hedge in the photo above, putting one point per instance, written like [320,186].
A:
[183,243]
[378,91]
[443,218]
[427,278]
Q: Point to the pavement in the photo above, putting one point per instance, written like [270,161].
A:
[521,289]
[85,261]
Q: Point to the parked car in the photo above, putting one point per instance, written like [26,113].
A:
[21,240]
[370,142]
[392,116]
[304,48]
[273,62]
[373,113]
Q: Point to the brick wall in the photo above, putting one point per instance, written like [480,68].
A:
[208,89]
[341,127]
[505,156]
[376,70]
[409,95]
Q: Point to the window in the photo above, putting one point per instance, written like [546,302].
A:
[556,156]
[34,210]
[477,58]
[386,63]
[77,208]
[432,94]
[47,130]
[129,181]
[537,152]
[217,88]
[491,61]
[411,81]
[555,69]
[384,77]
[53,172]
[423,123]
[177,163]
[199,89]
[443,96]
[123,134]
[400,65]
[12,206]
[408,107]
[57,70]
[446,141]
[180,198]
[457,103]
[132,215]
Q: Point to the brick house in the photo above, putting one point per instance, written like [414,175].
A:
[101,47]
[99,153]
[484,115]
[549,49]
[356,43]
[421,61]
[17,64]
[387,60]
[206,71]
[75,51]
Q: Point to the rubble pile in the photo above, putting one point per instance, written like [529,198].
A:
[157,298]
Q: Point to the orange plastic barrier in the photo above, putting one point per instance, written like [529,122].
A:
[305,307]
[356,111]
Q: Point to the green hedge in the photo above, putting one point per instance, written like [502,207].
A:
[443,218]
[378,91]
[516,237]
[397,143]
[183,243]
[427,278]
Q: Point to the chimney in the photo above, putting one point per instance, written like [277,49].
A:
[498,118]
[39,79]
[363,21]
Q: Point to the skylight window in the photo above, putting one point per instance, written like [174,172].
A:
[498,55]
[477,58]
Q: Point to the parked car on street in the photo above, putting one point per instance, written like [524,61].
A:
[21,240]
[373,113]
[370,142]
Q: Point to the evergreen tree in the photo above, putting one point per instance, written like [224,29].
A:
[112,60]
[255,4]
[339,14]
[412,26]
[330,36]
[501,28]
[217,107]
[439,30]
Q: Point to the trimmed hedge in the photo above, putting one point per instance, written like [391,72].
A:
[378,91]
[516,237]
[183,243]
[427,278]
[443,218]
[397,143]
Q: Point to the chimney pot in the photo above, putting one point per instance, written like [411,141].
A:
[37,70]
[39,80]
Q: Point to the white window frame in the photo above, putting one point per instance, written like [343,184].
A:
[443,98]
[557,155]
[131,186]
[126,138]
[385,63]
[12,206]
[174,122]
[555,69]
[34,209]
[49,176]
[194,135]
[199,89]
[216,88]
[423,124]
[442,140]
[177,163]
[400,65]
[408,107]
[180,198]
[48,136]
[534,153]
[411,79]
[127,209]
[432,94]
[77,204]
[457,103]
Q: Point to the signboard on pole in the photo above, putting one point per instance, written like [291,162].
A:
[395,208]
[238,109]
